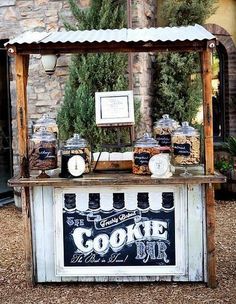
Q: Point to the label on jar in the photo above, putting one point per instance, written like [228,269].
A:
[47,153]
[182,149]
[141,159]
[164,139]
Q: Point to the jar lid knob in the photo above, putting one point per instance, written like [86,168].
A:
[165,116]
[185,124]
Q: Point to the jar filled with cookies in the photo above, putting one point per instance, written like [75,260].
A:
[75,145]
[162,130]
[43,151]
[144,149]
[186,145]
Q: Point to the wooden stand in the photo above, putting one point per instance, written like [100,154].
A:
[22,59]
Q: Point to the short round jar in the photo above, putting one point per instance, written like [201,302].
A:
[144,149]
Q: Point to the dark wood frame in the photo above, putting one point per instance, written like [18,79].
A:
[22,52]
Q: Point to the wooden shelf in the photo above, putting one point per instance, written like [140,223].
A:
[117,178]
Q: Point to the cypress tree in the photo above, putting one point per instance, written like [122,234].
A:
[90,73]
[178,79]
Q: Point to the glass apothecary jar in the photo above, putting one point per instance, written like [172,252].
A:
[43,151]
[162,130]
[75,146]
[144,149]
[48,123]
[186,145]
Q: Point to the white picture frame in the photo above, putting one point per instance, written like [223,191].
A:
[114,108]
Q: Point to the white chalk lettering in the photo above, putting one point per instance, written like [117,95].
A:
[146,230]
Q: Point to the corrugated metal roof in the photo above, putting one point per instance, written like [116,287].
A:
[182,33]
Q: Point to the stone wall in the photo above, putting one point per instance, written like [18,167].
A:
[143,15]
[45,93]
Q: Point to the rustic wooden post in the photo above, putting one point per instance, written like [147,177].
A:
[209,167]
[22,63]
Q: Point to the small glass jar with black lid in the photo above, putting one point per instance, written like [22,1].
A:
[186,145]
[162,131]
[144,148]
[75,145]
[43,151]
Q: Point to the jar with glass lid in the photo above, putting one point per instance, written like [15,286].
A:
[47,122]
[186,145]
[75,146]
[144,148]
[43,151]
[163,129]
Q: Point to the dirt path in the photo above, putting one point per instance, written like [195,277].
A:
[13,288]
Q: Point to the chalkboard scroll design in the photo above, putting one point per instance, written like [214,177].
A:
[143,200]
[118,200]
[168,200]
[94,201]
[119,238]
[70,201]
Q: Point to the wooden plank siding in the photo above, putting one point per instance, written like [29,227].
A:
[43,228]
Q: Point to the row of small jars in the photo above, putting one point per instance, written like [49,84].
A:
[43,152]
[44,147]
[183,142]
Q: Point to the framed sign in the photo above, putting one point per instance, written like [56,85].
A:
[125,232]
[114,108]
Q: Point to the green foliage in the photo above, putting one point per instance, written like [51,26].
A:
[224,166]
[178,85]
[187,12]
[92,73]
[231,145]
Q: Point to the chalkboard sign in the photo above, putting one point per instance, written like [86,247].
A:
[120,237]
[141,159]
[47,153]
[182,149]
[164,140]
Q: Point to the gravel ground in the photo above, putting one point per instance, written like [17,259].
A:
[13,288]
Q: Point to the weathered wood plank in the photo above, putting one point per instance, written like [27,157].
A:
[40,236]
[49,230]
[22,63]
[99,47]
[26,211]
[207,112]
[106,179]
[195,233]
[211,221]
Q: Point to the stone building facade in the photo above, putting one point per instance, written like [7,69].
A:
[45,93]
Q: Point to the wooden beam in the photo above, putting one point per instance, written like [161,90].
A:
[210,227]
[115,47]
[22,62]
[207,112]
[209,167]
[25,198]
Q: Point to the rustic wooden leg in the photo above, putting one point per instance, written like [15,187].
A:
[25,197]
[210,225]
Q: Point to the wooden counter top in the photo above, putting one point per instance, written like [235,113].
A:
[118,178]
